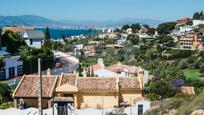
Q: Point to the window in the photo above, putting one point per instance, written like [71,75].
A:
[11,72]
[31,42]
[2,74]
[20,70]
[140,109]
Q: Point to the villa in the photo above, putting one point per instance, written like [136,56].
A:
[190,40]
[33,38]
[80,92]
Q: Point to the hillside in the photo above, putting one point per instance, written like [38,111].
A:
[27,20]
[32,20]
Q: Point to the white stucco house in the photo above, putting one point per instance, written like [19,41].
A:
[142,105]
[198,22]
[116,70]
[79,46]
[13,66]
[33,38]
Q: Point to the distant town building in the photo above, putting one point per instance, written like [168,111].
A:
[117,70]
[128,31]
[198,22]
[17,29]
[13,66]
[79,46]
[33,38]
[184,21]
[190,40]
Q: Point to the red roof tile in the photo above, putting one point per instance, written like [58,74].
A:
[129,82]
[97,84]
[28,87]
[120,67]
[68,78]
[187,90]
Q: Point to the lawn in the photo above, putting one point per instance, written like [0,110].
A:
[192,73]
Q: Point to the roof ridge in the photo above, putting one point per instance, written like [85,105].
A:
[16,89]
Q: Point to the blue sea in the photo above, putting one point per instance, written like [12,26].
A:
[58,33]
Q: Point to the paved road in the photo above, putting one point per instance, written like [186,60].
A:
[69,63]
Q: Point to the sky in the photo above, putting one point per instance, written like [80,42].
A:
[102,9]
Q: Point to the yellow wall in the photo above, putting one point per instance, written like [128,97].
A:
[130,95]
[34,102]
[97,100]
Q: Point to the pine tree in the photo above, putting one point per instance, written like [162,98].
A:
[196,16]
[47,40]
[201,13]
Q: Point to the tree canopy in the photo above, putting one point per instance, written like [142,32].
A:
[47,40]
[135,27]
[166,28]
[5,93]
[125,27]
[30,57]
[134,39]
[198,16]
[12,41]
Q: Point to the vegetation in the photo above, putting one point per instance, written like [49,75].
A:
[166,28]
[161,88]
[192,73]
[5,93]
[135,27]
[134,39]
[12,41]
[198,16]
[30,57]
[125,27]
[47,40]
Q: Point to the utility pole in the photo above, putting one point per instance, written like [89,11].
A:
[40,112]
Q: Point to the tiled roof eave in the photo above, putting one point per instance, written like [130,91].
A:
[31,97]
[98,91]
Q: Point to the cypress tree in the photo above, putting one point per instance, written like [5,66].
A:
[47,40]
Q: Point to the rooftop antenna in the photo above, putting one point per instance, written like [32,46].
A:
[40,112]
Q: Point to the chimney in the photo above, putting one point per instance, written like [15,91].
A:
[141,77]
[84,73]
[49,72]
[100,62]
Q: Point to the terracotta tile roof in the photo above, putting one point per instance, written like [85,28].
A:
[140,99]
[120,67]
[29,84]
[187,90]
[97,84]
[17,29]
[95,67]
[129,82]
[68,78]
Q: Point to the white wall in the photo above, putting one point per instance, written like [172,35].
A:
[197,22]
[104,73]
[37,43]
[145,103]
[11,62]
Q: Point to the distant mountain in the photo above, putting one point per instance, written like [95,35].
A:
[121,22]
[27,20]
[32,20]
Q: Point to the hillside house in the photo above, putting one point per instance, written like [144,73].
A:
[13,66]
[79,92]
[33,38]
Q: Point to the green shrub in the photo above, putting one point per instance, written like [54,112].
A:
[6,105]
[152,96]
